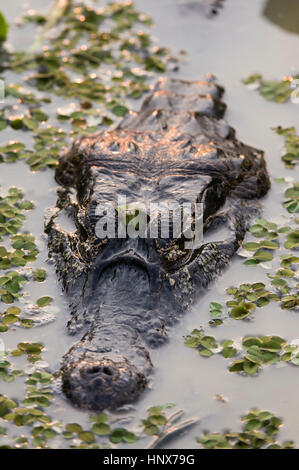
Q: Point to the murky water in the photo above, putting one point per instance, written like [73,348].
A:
[232,45]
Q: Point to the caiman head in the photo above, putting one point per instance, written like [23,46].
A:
[127,290]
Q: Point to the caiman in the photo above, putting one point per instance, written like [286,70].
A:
[126,293]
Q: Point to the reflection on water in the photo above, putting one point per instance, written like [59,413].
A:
[283,13]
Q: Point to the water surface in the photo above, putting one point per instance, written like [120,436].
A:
[237,42]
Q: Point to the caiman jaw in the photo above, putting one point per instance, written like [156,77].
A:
[102,384]
[109,367]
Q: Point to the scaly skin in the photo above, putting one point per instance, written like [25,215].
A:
[126,293]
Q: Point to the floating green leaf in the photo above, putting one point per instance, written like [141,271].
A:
[3,28]
[44,301]
[291,157]
[259,431]
[292,196]
[278,91]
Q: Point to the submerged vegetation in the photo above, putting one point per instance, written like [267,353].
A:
[260,429]
[273,90]
[98,58]
[18,250]
[104,430]
[291,157]
[253,353]
[250,354]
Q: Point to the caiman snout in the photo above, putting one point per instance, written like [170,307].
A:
[102,384]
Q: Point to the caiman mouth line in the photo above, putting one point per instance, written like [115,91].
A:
[126,294]
[131,260]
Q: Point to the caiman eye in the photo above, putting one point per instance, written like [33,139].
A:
[246,164]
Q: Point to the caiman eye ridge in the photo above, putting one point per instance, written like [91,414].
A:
[125,293]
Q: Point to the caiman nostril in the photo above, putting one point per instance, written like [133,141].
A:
[93,370]
[107,371]
[100,383]
[98,369]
